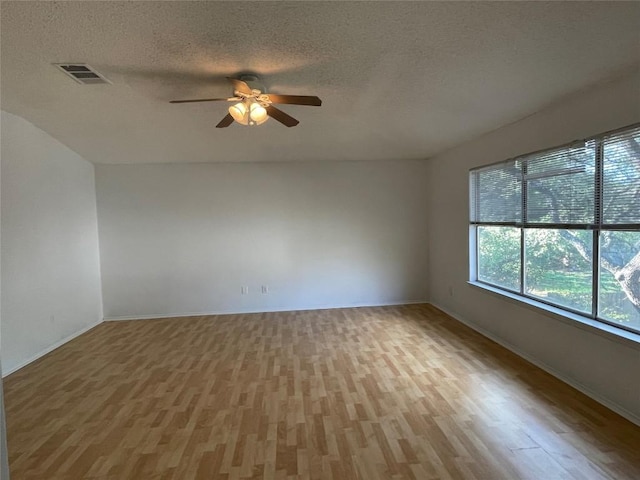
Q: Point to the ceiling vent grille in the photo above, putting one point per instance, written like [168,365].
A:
[82,73]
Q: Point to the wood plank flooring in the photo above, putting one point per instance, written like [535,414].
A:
[367,393]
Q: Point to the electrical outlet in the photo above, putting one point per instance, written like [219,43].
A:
[244,290]
[265,289]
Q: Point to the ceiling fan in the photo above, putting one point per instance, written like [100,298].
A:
[254,106]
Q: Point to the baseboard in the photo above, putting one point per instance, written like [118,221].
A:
[240,312]
[50,348]
[632,417]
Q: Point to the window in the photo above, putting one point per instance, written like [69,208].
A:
[562,227]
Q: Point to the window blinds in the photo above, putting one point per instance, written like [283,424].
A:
[560,185]
[590,184]
[621,178]
[496,194]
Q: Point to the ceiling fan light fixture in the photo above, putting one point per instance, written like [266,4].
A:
[255,107]
[248,113]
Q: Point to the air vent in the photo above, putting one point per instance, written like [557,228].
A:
[82,73]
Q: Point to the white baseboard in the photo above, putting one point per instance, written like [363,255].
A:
[51,348]
[241,312]
[632,417]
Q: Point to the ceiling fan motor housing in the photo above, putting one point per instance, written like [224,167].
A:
[253,81]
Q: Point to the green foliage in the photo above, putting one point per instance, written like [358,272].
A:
[555,269]
[549,250]
[499,256]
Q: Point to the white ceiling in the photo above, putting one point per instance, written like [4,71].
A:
[399,80]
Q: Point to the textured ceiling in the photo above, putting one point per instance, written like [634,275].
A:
[399,80]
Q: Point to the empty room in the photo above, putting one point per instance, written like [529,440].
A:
[320,240]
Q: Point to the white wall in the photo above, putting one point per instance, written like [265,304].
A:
[50,259]
[183,239]
[598,364]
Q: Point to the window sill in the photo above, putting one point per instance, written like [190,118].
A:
[603,329]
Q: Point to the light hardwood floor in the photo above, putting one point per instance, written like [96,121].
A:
[367,393]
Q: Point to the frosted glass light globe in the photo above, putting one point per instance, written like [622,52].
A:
[255,114]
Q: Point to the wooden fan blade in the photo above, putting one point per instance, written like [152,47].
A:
[232,99]
[225,122]
[279,115]
[312,101]
[240,86]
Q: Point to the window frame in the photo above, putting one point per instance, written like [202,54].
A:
[597,227]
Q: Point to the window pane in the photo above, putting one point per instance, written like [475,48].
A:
[561,186]
[556,268]
[621,178]
[496,193]
[620,278]
[499,256]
